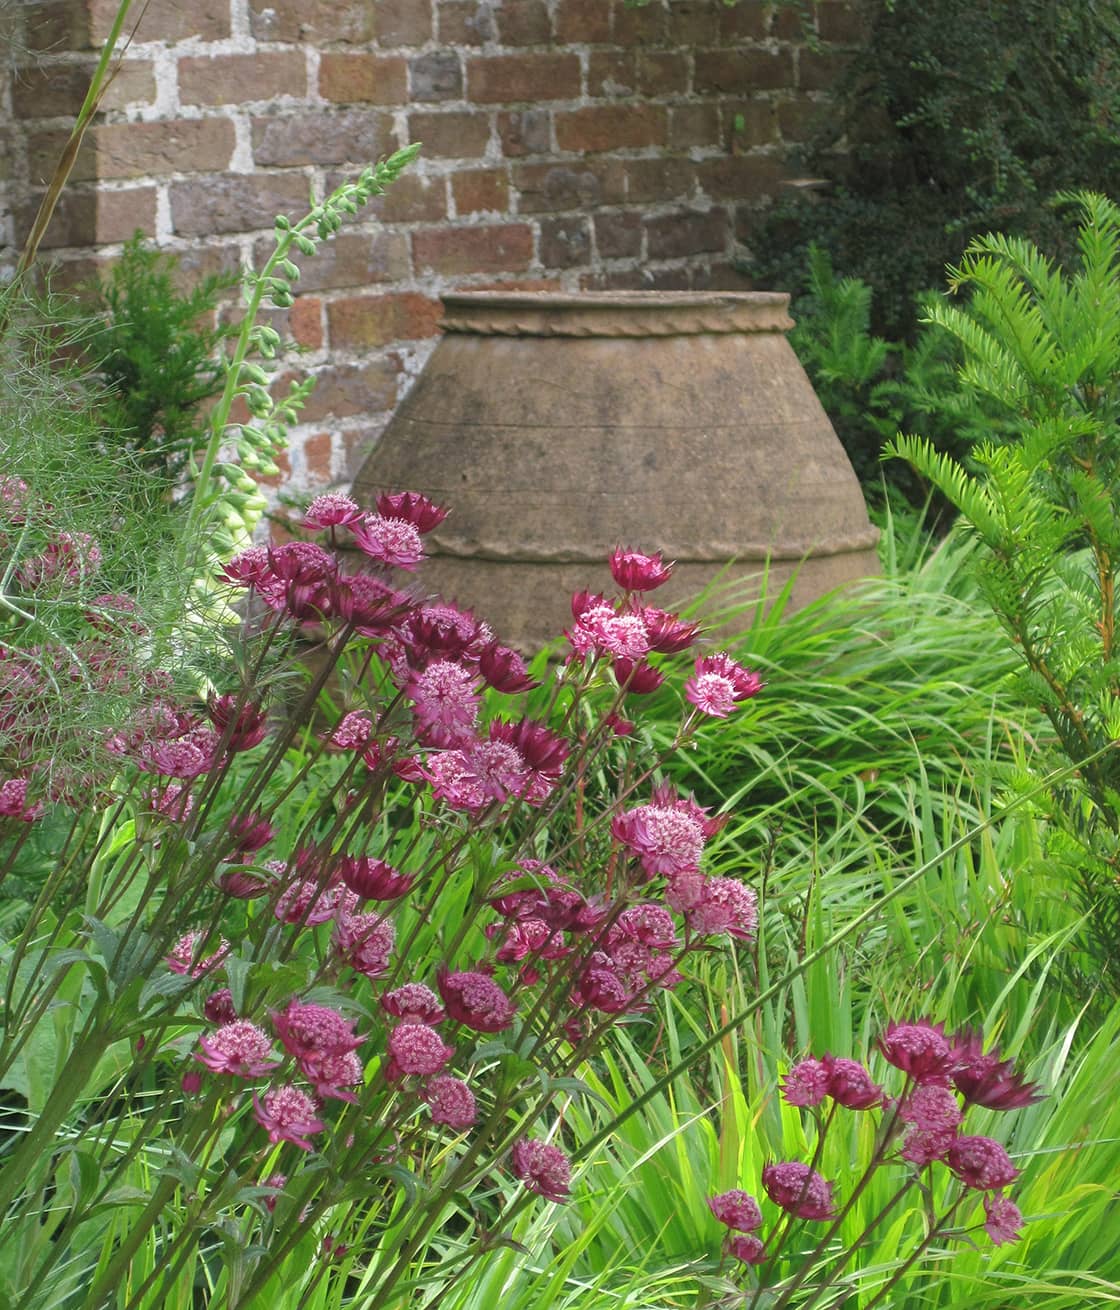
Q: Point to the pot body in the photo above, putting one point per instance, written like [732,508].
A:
[557,427]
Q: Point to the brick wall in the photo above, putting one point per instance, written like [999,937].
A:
[567,143]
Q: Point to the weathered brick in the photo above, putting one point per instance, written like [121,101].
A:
[363,78]
[342,390]
[91,218]
[614,279]
[743,177]
[466,22]
[552,188]
[817,70]
[649,181]
[662,73]
[436,76]
[618,235]
[318,458]
[309,137]
[721,276]
[121,150]
[611,127]
[788,23]
[752,123]
[318,22]
[525,22]
[798,118]
[235,202]
[452,135]
[56,26]
[362,322]
[455,251]
[637,25]
[694,125]
[164,20]
[480,191]
[234,79]
[349,259]
[612,73]
[412,199]
[57,89]
[401,22]
[841,21]
[673,236]
[305,322]
[508,79]
[693,22]
[743,21]
[739,72]
[525,132]
[566,241]
[580,22]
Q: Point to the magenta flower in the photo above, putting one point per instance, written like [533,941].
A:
[919,1049]
[445,700]
[986,1079]
[13,801]
[931,1108]
[475,1001]
[369,605]
[636,572]
[306,1028]
[239,1048]
[746,1247]
[600,629]
[453,782]
[668,634]
[374,880]
[798,1190]
[637,677]
[413,1002]
[186,956]
[981,1163]
[451,1102]
[330,1073]
[218,1007]
[850,1085]
[414,1048]
[504,669]
[365,942]
[737,1209]
[392,541]
[923,1146]
[277,1182]
[411,506]
[241,722]
[806,1083]
[719,684]
[287,1115]
[1003,1221]
[304,902]
[543,1168]
[250,833]
[351,733]
[332,510]
[668,835]
[714,905]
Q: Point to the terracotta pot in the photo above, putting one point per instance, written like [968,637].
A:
[559,426]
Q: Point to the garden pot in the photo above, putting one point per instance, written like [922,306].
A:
[558,426]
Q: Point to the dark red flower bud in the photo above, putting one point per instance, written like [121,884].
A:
[636,572]
[374,880]
[414,508]
[668,633]
[504,669]
[242,723]
[637,677]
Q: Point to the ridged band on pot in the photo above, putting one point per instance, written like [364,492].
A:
[557,427]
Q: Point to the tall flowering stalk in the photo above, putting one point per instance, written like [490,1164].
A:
[350,967]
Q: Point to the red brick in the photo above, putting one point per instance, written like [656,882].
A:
[164,20]
[85,218]
[348,259]
[552,188]
[621,279]
[363,79]
[412,199]
[790,23]
[453,135]
[56,90]
[746,177]
[362,322]
[612,73]
[310,137]
[817,70]
[480,190]
[236,202]
[342,390]
[61,25]
[401,22]
[667,279]
[465,22]
[618,235]
[455,251]
[305,322]
[637,25]
[565,241]
[121,150]
[839,20]
[318,22]
[525,132]
[580,22]
[662,73]
[798,118]
[743,21]
[674,236]
[739,72]
[235,79]
[753,123]
[524,22]
[694,125]
[693,22]
[318,451]
[720,276]
[611,127]
[649,181]
[508,79]
[437,75]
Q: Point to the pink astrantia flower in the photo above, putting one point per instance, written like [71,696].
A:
[445,700]
[451,1102]
[475,1001]
[919,1049]
[737,1209]
[981,1163]
[931,1108]
[414,1002]
[1003,1221]
[746,1247]
[850,1085]
[504,669]
[332,510]
[986,1079]
[330,1073]
[287,1115]
[806,1083]
[305,1028]
[719,684]
[667,835]
[277,1182]
[250,833]
[172,801]
[372,879]
[600,629]
[922,1146]
[351,733]
[668,634]
[304,902]
[498,768]
[543,1168]
[416,509]
[636,572]
[414,1048]
[239,1048]
[13,801]
[240,721]
[714,905]
[365,942]
[798,1190]
[454,783]
[218,1007]
[186,958]
[391,541]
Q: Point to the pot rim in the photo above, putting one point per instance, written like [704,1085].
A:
[614,313]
